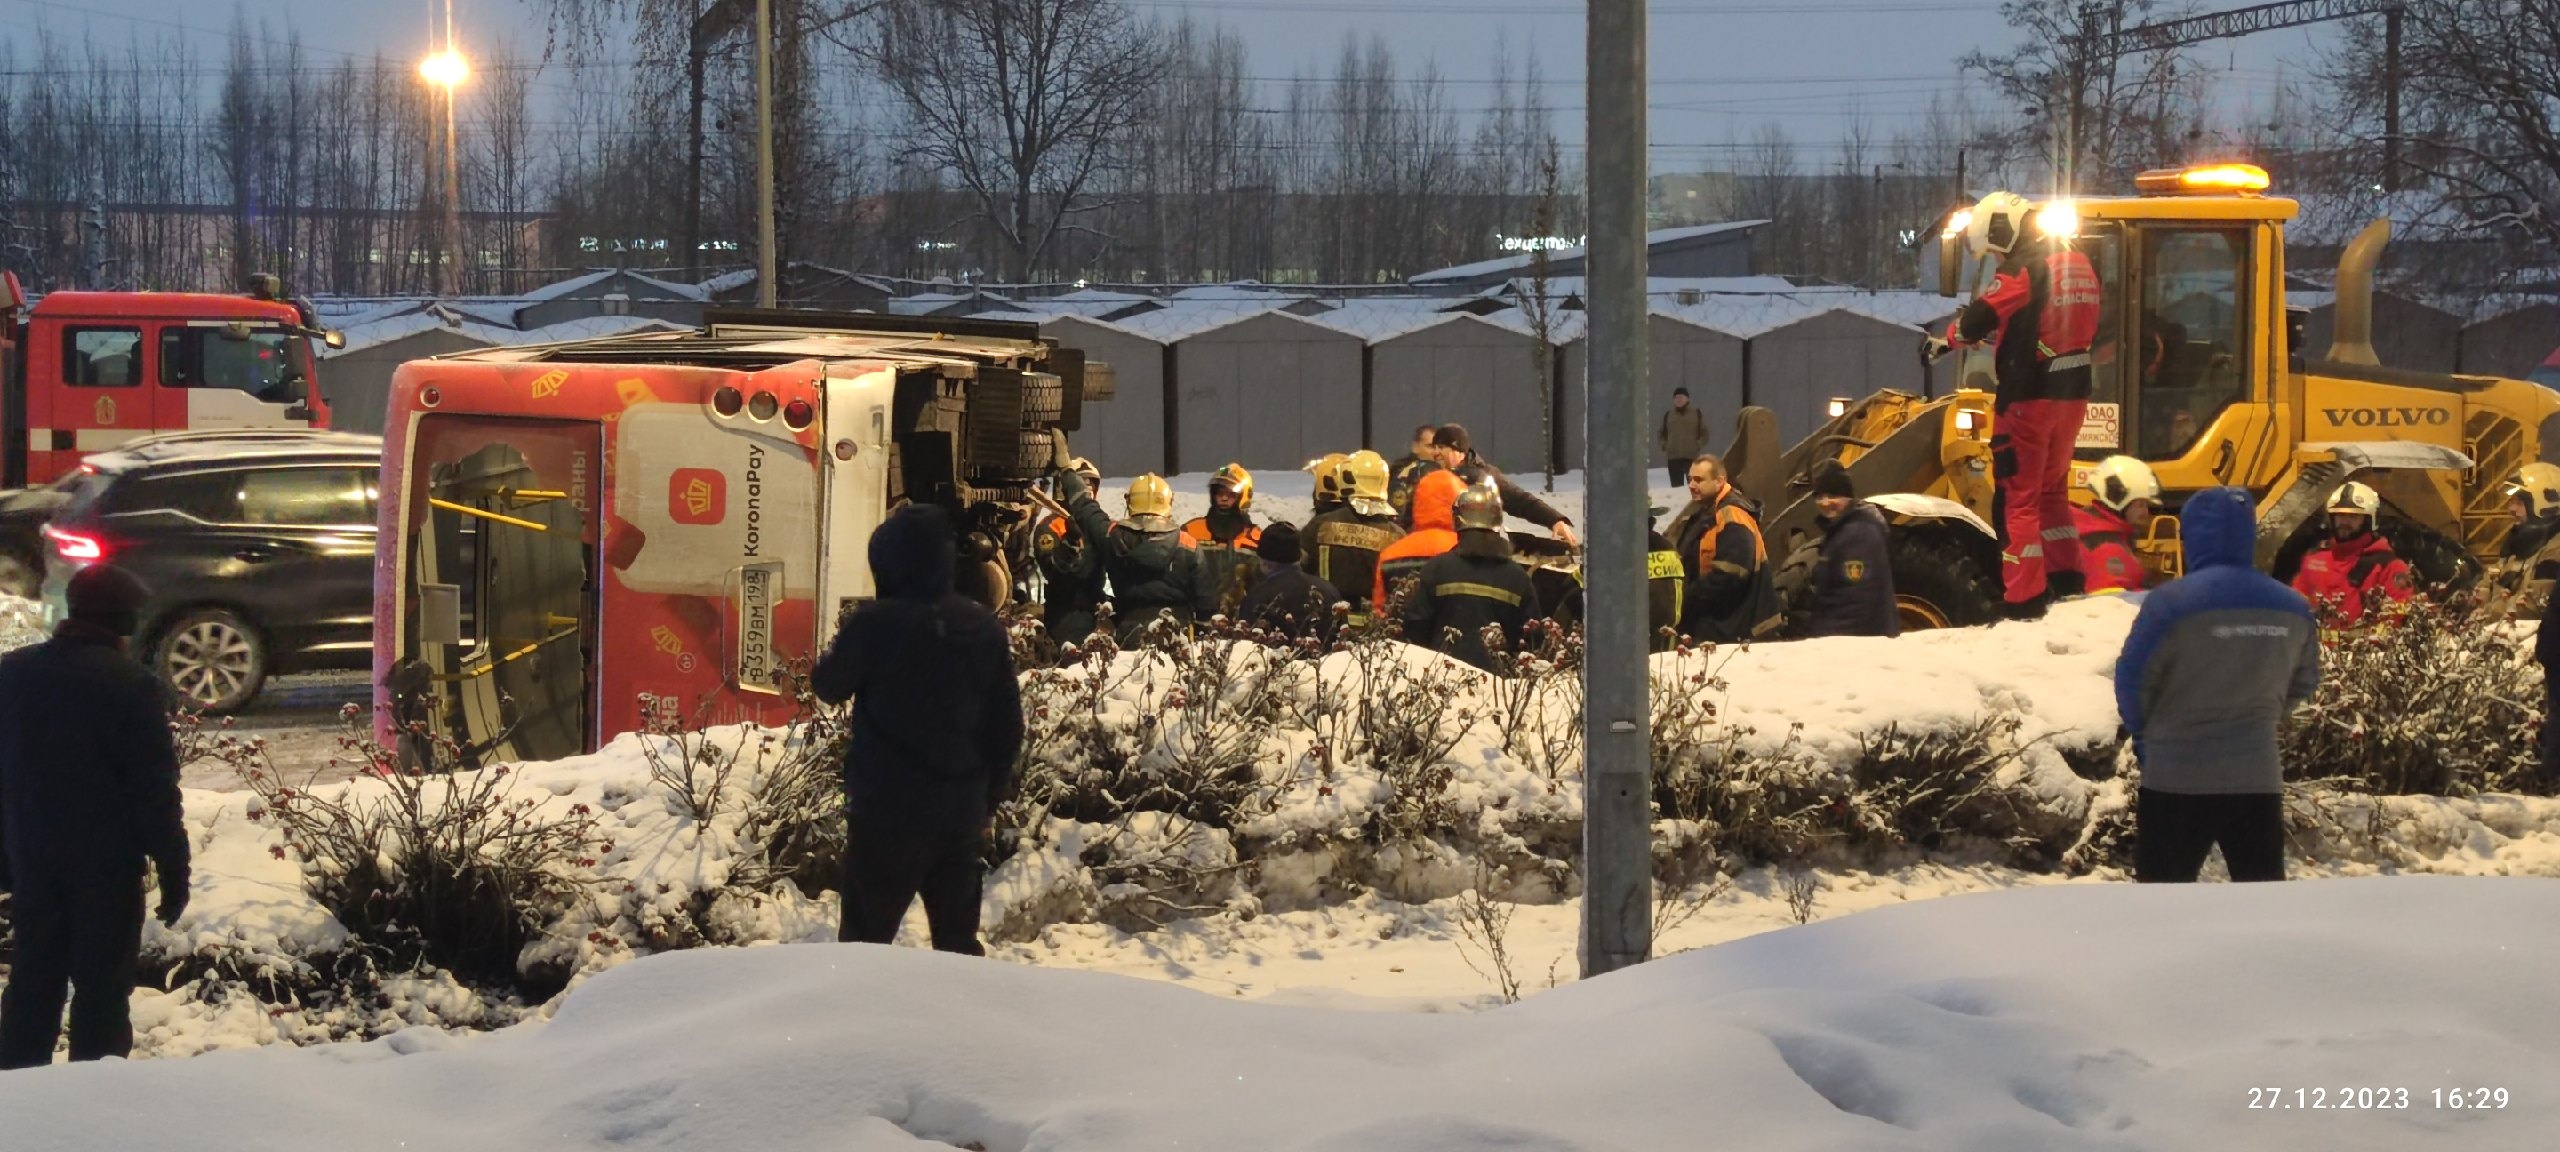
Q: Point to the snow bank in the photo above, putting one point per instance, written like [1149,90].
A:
[2076,1017]
[21,622]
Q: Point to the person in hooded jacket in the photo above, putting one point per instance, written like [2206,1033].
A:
[2214,661]
[1475,586]
[1070,569]
[1154,569]
[937,727]
[1289,601]
[1853,580]
[2353,579]
[1732,594]
[1435,530]
[1343,544]
[88,795]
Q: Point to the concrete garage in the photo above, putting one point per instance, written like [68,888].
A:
[1123,436]
[356,380]
[1682,352]
[1799,365]
[1464,369]
[1268,389]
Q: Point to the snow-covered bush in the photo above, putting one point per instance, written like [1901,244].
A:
[2445,703]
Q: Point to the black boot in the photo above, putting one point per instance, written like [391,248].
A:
[2029,609]
[2065,585]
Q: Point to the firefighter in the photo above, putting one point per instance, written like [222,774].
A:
[1154,569]
[1461,595]
[2125,492]
[1226,537]
[2533,499]
[1070,569]
[1421,458]
[2354,578]
[1666,583]
[2040,315]
[1435,530]
[1344,543]
[1732,594]
[1330,495]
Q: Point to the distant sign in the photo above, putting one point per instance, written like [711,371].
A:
[2103,427]
[1537,243]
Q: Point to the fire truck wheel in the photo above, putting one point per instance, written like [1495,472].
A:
[214,659]
[19,579]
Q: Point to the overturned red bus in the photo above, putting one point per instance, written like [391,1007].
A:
[569,529]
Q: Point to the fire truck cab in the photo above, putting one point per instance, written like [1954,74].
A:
[583,539]
[90,371]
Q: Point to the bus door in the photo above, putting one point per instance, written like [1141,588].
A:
[498,608]
[855,452]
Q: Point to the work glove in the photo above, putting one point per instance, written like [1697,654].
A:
[1059,457]
[173,898]
[1934,348]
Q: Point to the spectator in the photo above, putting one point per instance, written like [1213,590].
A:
[1288,600]
[1732,595]
[2124,490]
[937,726]
[88,794]
[1475,587]
[2354,579]
[1853,580]
[1154,569]
[1342,545]
[1421,458]
[1458,454]
[2214,661]
[1435,530]
[1683,435]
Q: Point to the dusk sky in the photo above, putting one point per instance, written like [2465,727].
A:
[1721,68]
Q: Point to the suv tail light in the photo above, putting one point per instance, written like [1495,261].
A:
[75,545]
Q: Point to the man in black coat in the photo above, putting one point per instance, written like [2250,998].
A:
[1853,581]
[88,793]
[1288,600]
[1458,454]
[1155,570]
[1477,584]
[937,726]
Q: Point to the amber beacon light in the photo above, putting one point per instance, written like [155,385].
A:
[2205,180]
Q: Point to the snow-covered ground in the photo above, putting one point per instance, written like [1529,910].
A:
[21,622]
[2341,1015]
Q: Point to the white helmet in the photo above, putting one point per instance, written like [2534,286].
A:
[1999,222]
[2355,499]
[2118,481]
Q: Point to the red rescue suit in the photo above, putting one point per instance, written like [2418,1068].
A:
[2108,560]
[2041,315]
[2346,579]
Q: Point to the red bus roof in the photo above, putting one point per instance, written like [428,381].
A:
[164,305]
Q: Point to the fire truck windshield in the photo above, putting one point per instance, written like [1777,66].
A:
[272,365]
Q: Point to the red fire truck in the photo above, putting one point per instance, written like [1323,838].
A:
[89,371]
[582,537]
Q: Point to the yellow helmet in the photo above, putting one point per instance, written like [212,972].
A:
[1328,473]
[1149,495]
[2118,481]
[1234,478]
[1365,475]
[2538,485]
[2355,499]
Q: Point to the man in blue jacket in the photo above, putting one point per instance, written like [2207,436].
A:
[937,726]
[2214,661]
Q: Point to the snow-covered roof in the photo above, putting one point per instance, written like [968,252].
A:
[393,329]
[582,328]
[1911,308]
[1564,325]
[1377,318]
[1237,290]
[1520,263]
[1742,317]
[928,303]
[577,284]
[728,282]
[1184,319]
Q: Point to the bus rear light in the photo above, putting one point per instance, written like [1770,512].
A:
[728,401]
[74,545]
[797,414]
[763,406]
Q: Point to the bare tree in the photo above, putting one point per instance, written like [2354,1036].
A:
[2090,112]
[1540,307]
[1022,101]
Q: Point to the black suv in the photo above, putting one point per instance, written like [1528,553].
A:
[258,549]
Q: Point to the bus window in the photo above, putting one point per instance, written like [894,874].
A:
[2191,342]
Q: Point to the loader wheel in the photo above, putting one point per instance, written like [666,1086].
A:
[1938,582]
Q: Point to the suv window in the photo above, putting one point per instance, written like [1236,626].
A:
[102,357]
[212,497]
[265,364]
[307,497]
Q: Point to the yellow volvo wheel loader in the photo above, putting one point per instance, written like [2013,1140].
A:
[2201,371]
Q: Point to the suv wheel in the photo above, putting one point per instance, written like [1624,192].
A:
[214,659]
[18,579]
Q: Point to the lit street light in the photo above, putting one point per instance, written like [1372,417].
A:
[446,70]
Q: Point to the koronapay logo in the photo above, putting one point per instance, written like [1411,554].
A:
[697,496]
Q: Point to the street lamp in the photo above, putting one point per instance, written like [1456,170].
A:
[447,70]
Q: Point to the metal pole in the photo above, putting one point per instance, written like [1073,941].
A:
[2391,100]
[1617,791]
[452,177]
[768,292]
[694,68]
